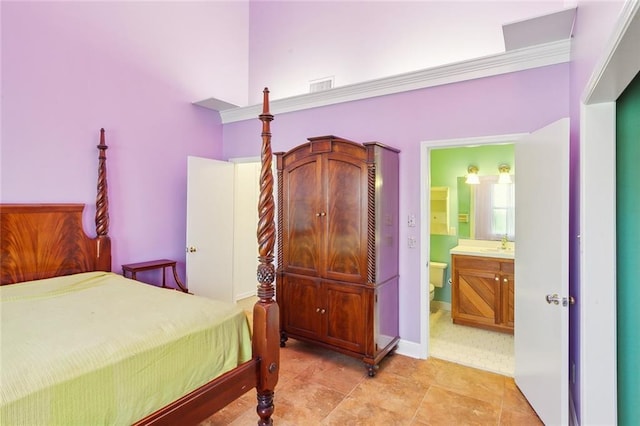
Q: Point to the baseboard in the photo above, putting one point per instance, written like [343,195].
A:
[410,349]
[445,306]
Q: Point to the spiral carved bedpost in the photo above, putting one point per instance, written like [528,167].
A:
[103,242]
[371,223]
[266,316]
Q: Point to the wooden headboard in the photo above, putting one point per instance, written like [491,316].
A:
[46,240]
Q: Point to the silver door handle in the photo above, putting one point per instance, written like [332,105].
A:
[553,298]
[556,300]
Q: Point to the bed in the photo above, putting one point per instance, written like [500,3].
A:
[80,347]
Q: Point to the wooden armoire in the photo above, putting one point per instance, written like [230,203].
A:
[337,277]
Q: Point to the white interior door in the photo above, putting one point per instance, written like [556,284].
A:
[541,269]
[245,251]
[210,207]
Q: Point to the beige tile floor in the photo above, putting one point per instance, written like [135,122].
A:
[487,350]
[322,387]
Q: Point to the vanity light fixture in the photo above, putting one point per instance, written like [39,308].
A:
[504,176]
[472,176]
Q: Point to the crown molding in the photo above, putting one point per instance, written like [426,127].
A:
[515,60]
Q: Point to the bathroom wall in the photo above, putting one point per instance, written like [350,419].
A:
[447,166]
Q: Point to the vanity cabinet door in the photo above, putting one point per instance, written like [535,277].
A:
[508,286]
[482,292]
[475,291]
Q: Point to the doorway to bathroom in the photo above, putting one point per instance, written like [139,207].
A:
[476,211]
[542,263]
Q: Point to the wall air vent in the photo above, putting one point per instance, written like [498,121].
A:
[321,84]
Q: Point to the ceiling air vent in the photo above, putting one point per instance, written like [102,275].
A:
[321,84]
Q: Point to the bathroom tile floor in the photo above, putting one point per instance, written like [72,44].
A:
[487,350]
[322,387]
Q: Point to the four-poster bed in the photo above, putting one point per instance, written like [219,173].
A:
[47,257]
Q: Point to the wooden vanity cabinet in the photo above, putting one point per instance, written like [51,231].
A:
[482,292]
[507,279]
[337,277]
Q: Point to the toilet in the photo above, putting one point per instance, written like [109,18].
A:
[437,275]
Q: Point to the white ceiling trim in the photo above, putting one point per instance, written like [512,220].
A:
[515,60]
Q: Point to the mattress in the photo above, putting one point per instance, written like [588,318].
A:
[97,348]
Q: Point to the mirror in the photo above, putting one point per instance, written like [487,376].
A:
[498,210]
[448,167]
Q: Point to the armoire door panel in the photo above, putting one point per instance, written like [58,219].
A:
[303,221]
[346,220]
[347,312]
[305,319]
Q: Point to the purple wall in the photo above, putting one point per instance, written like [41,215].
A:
[62,80]
[510,103]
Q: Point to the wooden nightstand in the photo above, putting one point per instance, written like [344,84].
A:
[134,268]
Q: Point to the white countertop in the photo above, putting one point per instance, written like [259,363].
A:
[484,248]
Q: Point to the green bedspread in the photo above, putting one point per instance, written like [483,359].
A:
[96,348]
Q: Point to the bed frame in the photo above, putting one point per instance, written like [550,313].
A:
[45,240]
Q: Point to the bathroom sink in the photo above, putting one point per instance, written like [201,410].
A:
[495,250]
[484,248]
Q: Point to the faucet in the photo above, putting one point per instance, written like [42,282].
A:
[503,244]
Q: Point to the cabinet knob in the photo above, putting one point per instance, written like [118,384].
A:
[322,311]
[497,278]
[317,309]
[505,280]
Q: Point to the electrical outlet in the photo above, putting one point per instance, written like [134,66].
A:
[411,220]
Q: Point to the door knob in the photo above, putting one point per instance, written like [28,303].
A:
[555,299]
